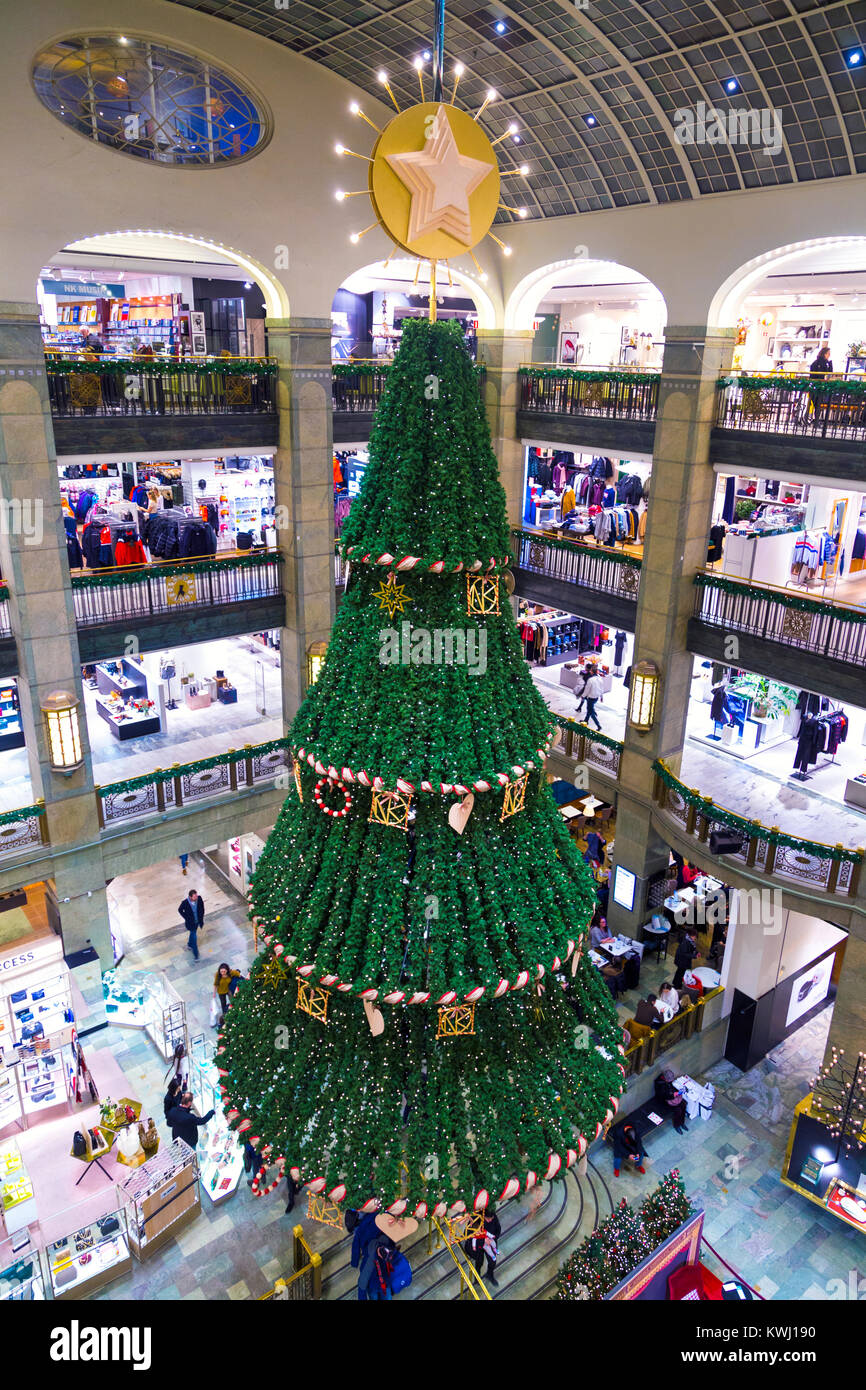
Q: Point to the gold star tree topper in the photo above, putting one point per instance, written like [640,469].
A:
[441,181]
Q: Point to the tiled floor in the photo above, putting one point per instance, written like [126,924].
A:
[731,1162]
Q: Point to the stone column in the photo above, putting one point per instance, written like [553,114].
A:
[304,489]
[848,1024]
[33,555]
[502,354]
[680,513]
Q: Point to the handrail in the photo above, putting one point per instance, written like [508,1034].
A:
[234,559]
[470,1279]
[803,602]
[589,367]
[595,735]
[800,380]
[605,552]
[58,356]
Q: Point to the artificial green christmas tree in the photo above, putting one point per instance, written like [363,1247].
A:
[423,1028]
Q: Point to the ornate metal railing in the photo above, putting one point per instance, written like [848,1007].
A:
[190,784]
[141,591]
[618,394]
[817,408]
[778,615]
[357,387]
[586,745]
[809,864]
[117,387]
[5,624]
[22,828]
[642,1052]
[592,566]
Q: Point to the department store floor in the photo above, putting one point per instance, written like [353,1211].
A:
[761,787]
[190,733]
[779,1242]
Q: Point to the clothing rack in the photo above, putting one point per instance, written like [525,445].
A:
[824,716]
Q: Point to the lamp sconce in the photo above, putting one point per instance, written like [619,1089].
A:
[60,716]
[643,700]
[315,661]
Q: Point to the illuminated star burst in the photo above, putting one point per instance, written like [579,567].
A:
[392,596]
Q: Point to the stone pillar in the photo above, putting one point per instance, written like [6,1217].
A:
[304,491]
[33,555]
[502,354]
[848,1025]
[678,522]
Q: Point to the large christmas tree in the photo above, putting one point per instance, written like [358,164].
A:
[423,1028]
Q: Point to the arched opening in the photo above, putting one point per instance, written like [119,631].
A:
[372,302]
[790,302]
[589,313]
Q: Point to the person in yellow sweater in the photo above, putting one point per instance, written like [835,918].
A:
[224,983]
[568,503]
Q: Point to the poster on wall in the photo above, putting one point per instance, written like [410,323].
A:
[810,989]
[570,348]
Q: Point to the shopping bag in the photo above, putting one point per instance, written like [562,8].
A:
[214,1010]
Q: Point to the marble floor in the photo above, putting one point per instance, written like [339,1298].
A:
[777,1241]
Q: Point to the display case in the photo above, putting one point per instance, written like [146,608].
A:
[86,1259]
[161,1198]
[16,1189]
[145,999]
[222,1160]
[125,998]
[23,1281]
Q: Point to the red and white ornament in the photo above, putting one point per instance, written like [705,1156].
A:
[339,785]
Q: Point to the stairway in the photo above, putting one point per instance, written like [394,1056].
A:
[531,1248]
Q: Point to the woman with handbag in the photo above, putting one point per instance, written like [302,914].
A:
[224,986]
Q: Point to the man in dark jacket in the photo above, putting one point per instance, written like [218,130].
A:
[192,912]
[184,1124]
[686,953]
[647,1013]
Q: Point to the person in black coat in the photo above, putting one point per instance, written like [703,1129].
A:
[481,1246]
[192,912]
[686,953]
[172,1096]
[626,1144]
[184,1124]
[667,1095]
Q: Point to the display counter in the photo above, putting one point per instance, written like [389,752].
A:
[763,559]
[125,723]
[855,791]
[811,1168]
[90,1257]
[161,1198]
[22,1282]
[16,1190]
[121,678]
[146,999]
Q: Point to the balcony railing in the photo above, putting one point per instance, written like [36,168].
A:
[618,394]
[778,615]
[808,864]
[5,623]
[191,784]
[173,587]
[813,408]
[643,1052]
[22,828]
[120,387]
[578,562]
[357,387]
[585,745]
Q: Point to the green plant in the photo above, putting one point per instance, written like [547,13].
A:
[857,349]
[743,509]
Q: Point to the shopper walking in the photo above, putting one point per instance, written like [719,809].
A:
[184,860]
[592,693]
[222,983]
[192,912]
[485,1246]
[686,952]
[184,1124]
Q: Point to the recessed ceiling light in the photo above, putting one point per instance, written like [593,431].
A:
[500,26]
[854,57]
[427,55]
[516,139]
[732,85]
[590,120]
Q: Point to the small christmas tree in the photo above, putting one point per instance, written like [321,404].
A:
[419,863]
[665,1209]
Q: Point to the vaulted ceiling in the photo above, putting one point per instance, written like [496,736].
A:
[629,66]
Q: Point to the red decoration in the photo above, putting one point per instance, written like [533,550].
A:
[320,800]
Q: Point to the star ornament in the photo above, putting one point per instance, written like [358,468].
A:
[441,181]
[392,596]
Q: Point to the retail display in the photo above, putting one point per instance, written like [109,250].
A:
[550,635]
[16,1189]
[11,728]
[124,702]
[22,1282]
[86,1259]
[161,1197]
[146,1000]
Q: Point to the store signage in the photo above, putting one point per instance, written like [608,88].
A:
[33,955]
[80,289]
[623,887]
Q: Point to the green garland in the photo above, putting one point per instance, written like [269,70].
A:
[100,579]
[342,370]
[4,592]
[556,543]
[575,727]
[167,774]
[575,374]
[23,813]
[753,828]
[793,601]
[814,385]
[148,366]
